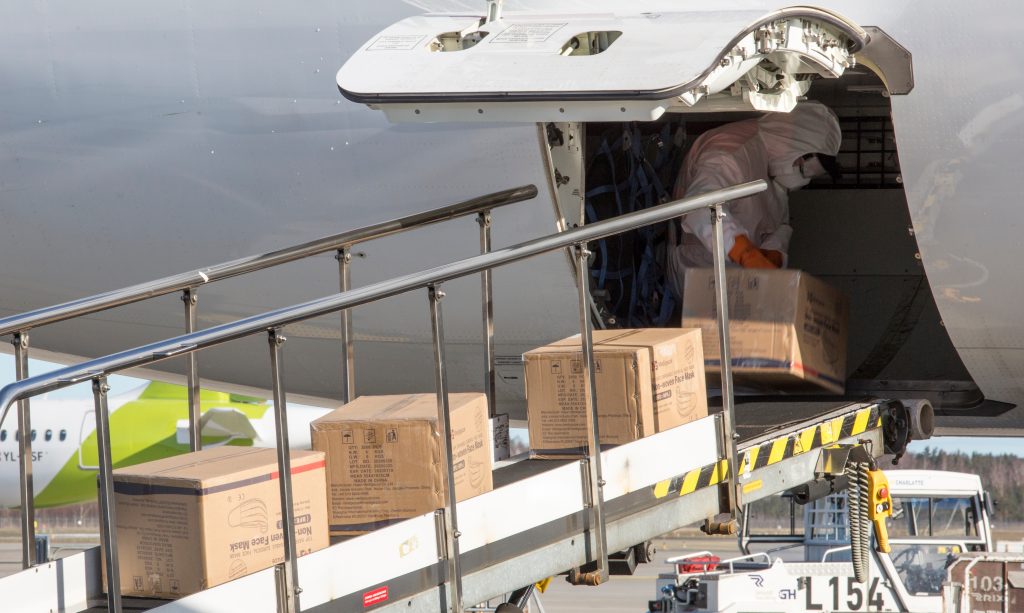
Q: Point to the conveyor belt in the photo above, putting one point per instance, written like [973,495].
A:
[129,604]
[757,418]
[535,523]
[517,471]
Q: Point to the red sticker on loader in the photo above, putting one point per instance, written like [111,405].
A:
[375,596]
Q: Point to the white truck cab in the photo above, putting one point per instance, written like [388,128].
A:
[937,516]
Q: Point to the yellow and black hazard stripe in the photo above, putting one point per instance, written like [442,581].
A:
[774,451]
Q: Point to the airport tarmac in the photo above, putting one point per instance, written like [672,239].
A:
[630,593]
[10,550]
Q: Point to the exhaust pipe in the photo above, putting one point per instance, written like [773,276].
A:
[909,420]
[922,419]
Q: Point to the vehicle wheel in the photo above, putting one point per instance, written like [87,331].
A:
[645,552]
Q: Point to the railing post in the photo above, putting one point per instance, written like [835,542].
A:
[288,573]
[195,429]
[108,519]
[28,515]
[486,291]
[451,524]
[594,490]
[348,351]
[728,429]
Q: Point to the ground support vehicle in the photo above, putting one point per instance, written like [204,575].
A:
[985,581]
[939,519]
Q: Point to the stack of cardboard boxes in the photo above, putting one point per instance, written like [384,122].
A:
[197,520]
[787,332]
[191,522]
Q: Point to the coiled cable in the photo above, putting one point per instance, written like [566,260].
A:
[858,503]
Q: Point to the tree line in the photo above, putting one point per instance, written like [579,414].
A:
[1002,475]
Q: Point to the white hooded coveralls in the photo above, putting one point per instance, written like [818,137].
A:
[762,148]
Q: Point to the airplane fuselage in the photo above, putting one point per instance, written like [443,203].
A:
[145,140]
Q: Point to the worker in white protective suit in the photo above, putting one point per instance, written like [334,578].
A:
[785,149]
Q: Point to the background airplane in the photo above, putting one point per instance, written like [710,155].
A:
[143,140]
[147,423]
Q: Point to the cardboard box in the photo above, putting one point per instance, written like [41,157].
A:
[647,380]
[787,329]
[197,520]
[384,457]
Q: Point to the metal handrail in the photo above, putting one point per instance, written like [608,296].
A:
[828,552]
[176,283]
[688,556]
[189,282]
[750,556]
[188,343]
[271,323]
[719,563]
[772,538]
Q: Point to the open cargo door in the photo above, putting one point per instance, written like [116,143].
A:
[563,71]
[609,67]
[570,73]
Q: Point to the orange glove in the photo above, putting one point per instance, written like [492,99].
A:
[747,255]
[775,257]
